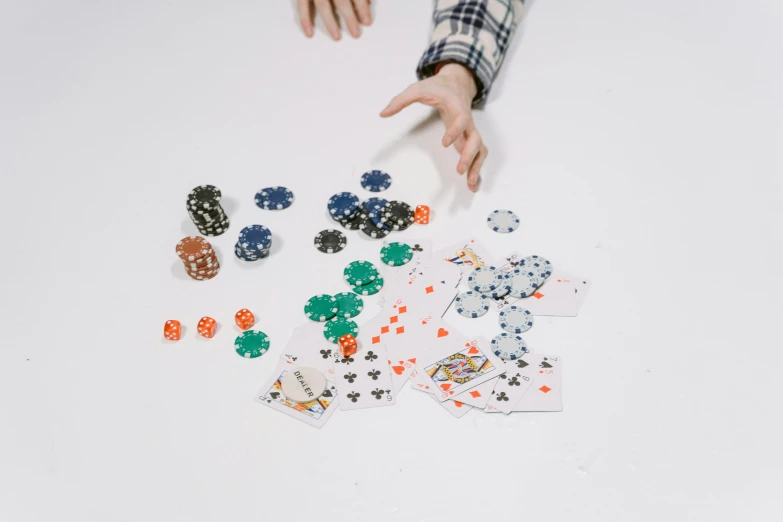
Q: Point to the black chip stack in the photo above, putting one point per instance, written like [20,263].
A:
[204,208]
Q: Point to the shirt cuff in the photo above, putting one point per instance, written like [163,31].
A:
[464,50]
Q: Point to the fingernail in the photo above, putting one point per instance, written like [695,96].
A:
[366,20]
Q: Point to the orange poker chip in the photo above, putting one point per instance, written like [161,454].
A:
[193,248]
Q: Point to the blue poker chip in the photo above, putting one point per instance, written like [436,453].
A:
[375,217]
[274,198]
[343,205]
[376,181]
[246,255]
[255,237]
[374,204]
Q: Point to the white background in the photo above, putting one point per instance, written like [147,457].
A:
[639,142]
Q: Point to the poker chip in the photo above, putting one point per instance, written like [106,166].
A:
[396,254]
[198,257]
[375,218]
[303,384]
[193,248]
[254,243]
[338,327]
[251,344]
[274,198]
[321,307]
[203,206]
[485,279]
[376,181]
[354,223]
[373,204]
[509,346]
[348,304]
[330,241]
[523,283]
[516,319]
[371,230]
[472,304]
[359,273]
[503,221]
[343,205]
[371,288]
[204,197]
[397,215]
[539,265]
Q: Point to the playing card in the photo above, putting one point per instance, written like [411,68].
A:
[426,289]
[512,385]
[546,391]
[364,380]
[467,255]
[478,397]
[314,413]
[401,370]
[456,408]
[309,347]
[395,275]
[453,365]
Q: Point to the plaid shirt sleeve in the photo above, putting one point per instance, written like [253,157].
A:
[475,33]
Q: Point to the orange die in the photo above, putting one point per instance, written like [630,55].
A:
[207,327]
[245,319]
[422,214]
[172,330]
[347,344]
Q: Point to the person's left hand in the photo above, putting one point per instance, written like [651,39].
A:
[451,91]
[353,12]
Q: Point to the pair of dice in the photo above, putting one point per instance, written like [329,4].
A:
[422,215]
[207,326]
[347,344]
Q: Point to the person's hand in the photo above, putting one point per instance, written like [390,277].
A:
[451,91]
[354,12]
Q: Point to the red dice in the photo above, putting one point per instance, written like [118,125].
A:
[245,319]
[207,327]
[422,215]
[347,344]
[172,330]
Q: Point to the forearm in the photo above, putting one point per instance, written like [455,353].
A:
[475,33]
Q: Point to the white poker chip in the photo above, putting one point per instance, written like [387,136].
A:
[516,319]
[485,279]
[503,221]
[503,289]
[509,346]
[537,264]
[523,283]
[303,384]
[472,304]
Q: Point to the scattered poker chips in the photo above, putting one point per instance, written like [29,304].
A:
[254,243]
[523,283]
[503,221]
[371,288]
[397,215]
[274,198]
[396,254]
[343,205]
[355,222]
[359,273]
[198,256]
[330,241]
[373,204]
[251,344]
[203,205]
[370,229]
[321,307]
[509,346]
[485,279]
[376,181]
[338,327]
[538,265]
[348,304]
[472,304]
[516,319]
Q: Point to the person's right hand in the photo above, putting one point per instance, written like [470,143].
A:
[354,12]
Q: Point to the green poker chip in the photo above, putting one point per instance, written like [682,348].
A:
[370,289]
[348,304]
[321,307]
[359,273]
[338,327]
[396,254]
[251,344]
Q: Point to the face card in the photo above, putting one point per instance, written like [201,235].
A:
[546,391]
[453,367]
[364,380]
[512,385]
[309,347]
[479,396]
[456,408]
[467,255]
[314,413]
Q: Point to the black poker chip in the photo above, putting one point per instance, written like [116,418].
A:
[204,197]
[330,241]
[369,228]
[354,221]
[397,215]
[203,206]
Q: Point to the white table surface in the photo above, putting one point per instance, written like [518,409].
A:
[640,143]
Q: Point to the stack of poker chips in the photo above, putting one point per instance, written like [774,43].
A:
[198,256]
[204,208]
[344,208]
[254,243]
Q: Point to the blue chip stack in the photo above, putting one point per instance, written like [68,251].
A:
[254,243]
[344,208]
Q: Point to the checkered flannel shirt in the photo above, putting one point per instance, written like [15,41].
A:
[475,33]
